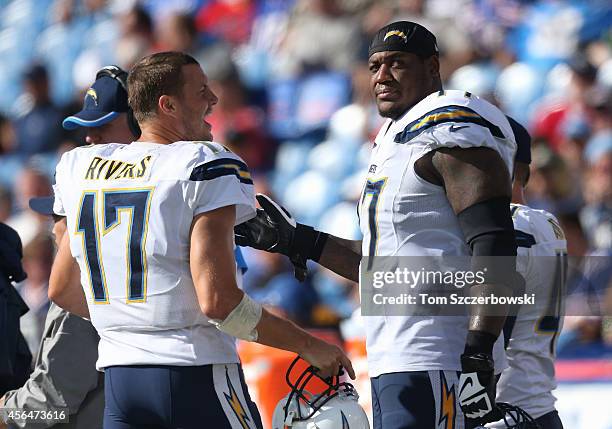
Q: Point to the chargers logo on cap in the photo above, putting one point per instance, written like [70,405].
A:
[92,93]
[396,33]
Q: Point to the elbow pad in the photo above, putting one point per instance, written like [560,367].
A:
[489,231]
[242,321]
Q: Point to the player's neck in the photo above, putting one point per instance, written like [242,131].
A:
[436,87]
[518,194]
[159,133]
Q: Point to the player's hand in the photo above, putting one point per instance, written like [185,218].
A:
[328,358]
[477,388]
[273,230]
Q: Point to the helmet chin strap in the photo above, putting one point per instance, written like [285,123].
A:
[289,418]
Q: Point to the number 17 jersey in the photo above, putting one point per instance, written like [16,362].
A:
[129,210]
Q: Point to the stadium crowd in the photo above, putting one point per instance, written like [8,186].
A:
[294,102]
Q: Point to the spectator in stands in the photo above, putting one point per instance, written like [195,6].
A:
[576,132]
[229,21]
[598,101]
[237,124]
[307,40]
[6,205]
[7,135]
[551,118]
[137,36]
[577,243]
[177,32]
[38,130]
[37,261]
[596,215]
[551,187]
[29,184]
[137,22]
[582,339]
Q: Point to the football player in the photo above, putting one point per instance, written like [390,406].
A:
[531,335]
[151,227]
[439,183]
[65,378]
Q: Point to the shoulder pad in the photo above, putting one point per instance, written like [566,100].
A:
[212,147]
[215,160]
[539,223]
[454,107]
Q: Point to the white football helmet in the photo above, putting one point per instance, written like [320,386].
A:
[335,408]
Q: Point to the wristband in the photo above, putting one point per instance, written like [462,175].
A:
[242,321]
[308,242]
[479,342]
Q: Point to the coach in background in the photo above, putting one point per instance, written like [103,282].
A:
[65,377]
[15,357]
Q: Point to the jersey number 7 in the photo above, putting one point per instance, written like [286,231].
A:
[549,323]
[136,203]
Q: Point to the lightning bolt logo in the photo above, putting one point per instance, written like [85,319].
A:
[397,33]
[234,403]
[447,410]
[92,93]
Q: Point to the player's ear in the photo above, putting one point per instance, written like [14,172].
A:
[433,65]
[166,105]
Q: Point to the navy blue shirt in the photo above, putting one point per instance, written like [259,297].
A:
[39,130]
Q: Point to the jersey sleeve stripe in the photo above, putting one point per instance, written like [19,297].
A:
[222,167]
[524,239]
[443,115]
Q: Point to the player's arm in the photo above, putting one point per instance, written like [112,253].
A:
[342,257]
[65,369]
[478,187]
[65,284]
[233,312]
[274,230]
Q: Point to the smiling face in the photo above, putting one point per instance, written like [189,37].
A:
[399,80]
[195,104]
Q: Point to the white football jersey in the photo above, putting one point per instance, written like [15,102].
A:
[129,210]
[542,259]
[403,215]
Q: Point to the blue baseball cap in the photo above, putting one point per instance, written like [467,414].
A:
[42,205]
[523,141]
[104,101]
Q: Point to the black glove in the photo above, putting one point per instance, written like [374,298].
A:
[477,388]
[274,230]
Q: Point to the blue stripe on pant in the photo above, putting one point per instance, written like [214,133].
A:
[167,397]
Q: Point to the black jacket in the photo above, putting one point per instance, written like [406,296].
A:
[15,357]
